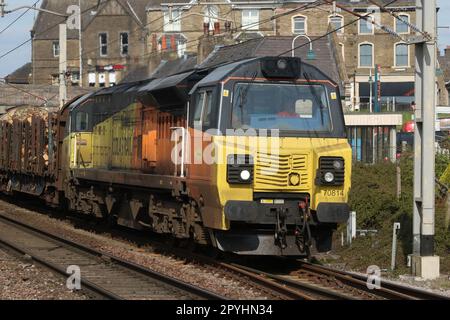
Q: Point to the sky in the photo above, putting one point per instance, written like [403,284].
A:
[19,33]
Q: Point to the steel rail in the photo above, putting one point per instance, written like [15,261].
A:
[315,291]
[388,289]
[70,245]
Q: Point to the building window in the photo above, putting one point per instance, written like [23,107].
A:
[56,48]
[181,48]
[400,26]
[103,39]
[81,123]
[401,55]
[366,55]
[172,23]
[75,78]
[211,16]
[101,79]
[366,26]
[299,25]
[173,42]
[91,78]
[250,19]
[112,78]
[55,79]
[337,22]
[124,43]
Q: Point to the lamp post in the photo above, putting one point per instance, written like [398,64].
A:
[311,55]
[370,90]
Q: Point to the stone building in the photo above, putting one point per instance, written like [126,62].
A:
[444,67]
[176,27]
[112,39]
[119,36]
[364,46]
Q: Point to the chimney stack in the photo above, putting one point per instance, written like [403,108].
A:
[216,28]
[227,26]
[206,28]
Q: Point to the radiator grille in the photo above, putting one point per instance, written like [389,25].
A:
[273,171]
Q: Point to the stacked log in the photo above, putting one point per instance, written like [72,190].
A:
[28,140]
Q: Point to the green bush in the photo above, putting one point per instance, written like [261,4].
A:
[374,198]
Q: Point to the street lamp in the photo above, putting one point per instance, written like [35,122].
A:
[311,55]
[370,90]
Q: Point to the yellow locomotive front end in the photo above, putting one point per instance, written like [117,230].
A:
[280,176]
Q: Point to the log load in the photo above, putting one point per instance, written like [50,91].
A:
[28,141]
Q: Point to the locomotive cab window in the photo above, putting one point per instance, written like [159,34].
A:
[81,121]
[286,107]
[203,114]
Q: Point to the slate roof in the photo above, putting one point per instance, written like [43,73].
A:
[165,68]
[260,47]
[46,24]
[136,73]
[175,66]
[20,76]
[276,45]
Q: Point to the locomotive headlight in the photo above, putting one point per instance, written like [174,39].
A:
[245,175]
[240,169]
[281,64]
[337,164]
[329,177]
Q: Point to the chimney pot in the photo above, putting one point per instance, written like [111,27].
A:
[216,28]
[206,28]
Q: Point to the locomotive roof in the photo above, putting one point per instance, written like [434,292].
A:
[308,71]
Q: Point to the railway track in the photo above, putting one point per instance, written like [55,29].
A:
[388,290]
[326,283]
[105,275]
[303,281]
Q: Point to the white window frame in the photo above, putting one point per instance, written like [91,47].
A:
[92,79]
[341,31]
[122,45]
[102,79]
[395,23]
[211,18]
[55,49]
[252,22]
[359,55]
[112,78]
[293,24]
[175,26]
[372,26]
[408,65]
[101,45]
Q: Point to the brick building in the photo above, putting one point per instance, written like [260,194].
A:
[113,38]
[444,67]
[119,36]
[176,26]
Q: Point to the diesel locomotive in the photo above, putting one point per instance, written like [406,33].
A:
[249,156]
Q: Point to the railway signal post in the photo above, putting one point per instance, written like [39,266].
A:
[424,263]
